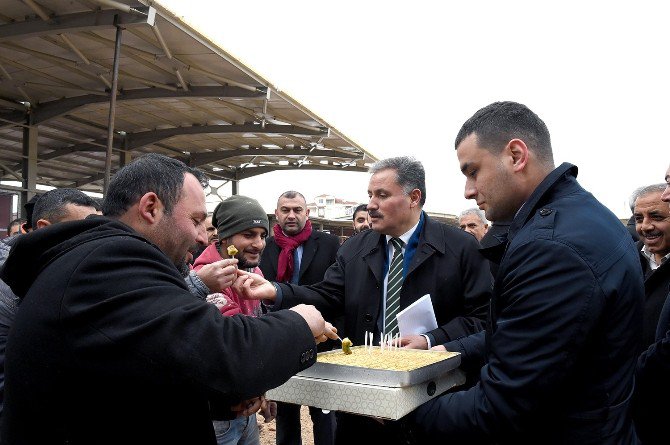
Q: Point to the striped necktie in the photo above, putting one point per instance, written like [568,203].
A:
[393,288]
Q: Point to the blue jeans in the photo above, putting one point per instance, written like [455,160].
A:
[239,431]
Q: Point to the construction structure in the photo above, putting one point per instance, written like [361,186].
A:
[86,85]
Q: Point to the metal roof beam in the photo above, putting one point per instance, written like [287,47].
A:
[198,159]
[141,139]
[255,171]
[85,181]
[77,22]
[149,137]
[56,108]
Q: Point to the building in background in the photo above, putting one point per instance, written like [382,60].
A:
[330,207]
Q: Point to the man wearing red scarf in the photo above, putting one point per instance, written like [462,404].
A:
[299,255]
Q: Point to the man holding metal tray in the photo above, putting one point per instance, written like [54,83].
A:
[379,272]
[560,349]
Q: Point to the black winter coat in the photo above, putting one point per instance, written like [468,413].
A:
[110,347]
[446,265]
[318,254]
[656,284]
[652,385]
[566,318]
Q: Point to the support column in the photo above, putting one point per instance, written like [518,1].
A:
[112,109]
[236,186]
[29,166]
[124,155]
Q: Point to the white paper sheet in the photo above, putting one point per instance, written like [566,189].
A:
[417,318]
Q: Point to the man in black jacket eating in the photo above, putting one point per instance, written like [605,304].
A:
[109,346]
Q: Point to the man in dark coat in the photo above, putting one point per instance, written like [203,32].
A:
[110,347]
[54,206]
[315,254]
[558,353]
[312,252]
[432,258]
[652,223]
[652,385]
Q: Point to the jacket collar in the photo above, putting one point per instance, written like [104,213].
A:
[561,173]
[495,251]
[431,235]
[309,249]
[430,240]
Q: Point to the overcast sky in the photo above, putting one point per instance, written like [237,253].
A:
[400,78]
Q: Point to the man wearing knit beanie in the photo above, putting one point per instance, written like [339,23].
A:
[241,222]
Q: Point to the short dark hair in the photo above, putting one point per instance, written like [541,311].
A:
[51,205]
[410,174]
[15,222]
[290,195]
[497,124]
[359,208]
[29,206]
[149,173]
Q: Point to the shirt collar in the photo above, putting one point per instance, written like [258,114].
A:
[651,258]
[405,236]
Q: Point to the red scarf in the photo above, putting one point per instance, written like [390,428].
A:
[288,244]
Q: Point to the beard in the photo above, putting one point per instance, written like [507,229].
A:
[242,263]
[183,268]
[362,229]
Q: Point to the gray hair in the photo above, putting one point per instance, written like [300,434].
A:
[410,174]
[474,211]
[644,191]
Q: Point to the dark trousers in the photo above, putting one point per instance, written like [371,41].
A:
[288,425]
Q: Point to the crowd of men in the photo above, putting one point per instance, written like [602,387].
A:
[137,321]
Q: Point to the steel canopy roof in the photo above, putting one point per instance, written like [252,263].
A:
[179,94]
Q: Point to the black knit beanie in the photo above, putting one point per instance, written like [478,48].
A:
[238,213]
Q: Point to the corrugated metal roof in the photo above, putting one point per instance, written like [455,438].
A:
[178,94]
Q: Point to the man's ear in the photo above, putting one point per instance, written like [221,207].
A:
[150,208]
[42,223]
[415,197]
[519,153]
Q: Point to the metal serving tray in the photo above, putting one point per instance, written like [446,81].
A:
[369,400]
[382,377]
